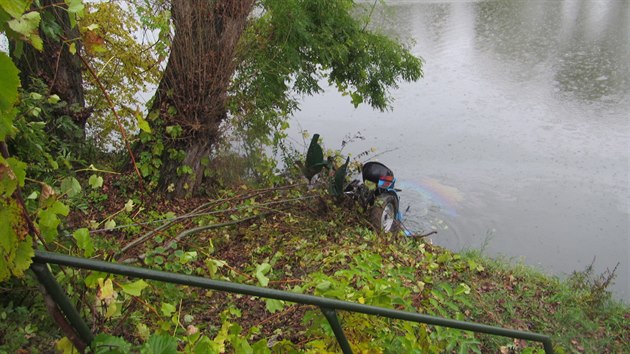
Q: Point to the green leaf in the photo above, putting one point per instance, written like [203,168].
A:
[462,288]
[48,219]
[15,8]
[160,344]
[91,281]
[135,288]
[6,120]
[143,124]
[108,344]
[261,270]
[9,83]
[27,25]
[357,99]
[106,289]
[16,248]
[84,241]
[261,347]
[59,208]
[64,346]
[35,96]
[12,177]
[129,205]
[206,345]
[70,186]
[274,305]
[95,181]
[23,256]
[75,6]
[167,309]
[324,285]
[241,345]
[110,224]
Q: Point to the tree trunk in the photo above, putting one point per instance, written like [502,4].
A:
[192,93]
[56,66]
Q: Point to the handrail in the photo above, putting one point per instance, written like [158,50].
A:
[328,306]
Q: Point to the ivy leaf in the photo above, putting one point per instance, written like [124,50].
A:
[12,174]
[64,346]
[261,270]
[462,288]
[106,289]
[48,219]
[135,288]
[53,99]
[110,224]
[84,241]
[205,345]
[59,208]
[129,206]
[8,241]
[274,305]
[324,285]
[75,6]
[37,42]
[6,120]
[160,344]
[19,169]
[27,25]
[108,344]
[23,257]
[143,124]
[15,8]
[70,186]
[95,181]
[9,83]
[92,280]
[167,309]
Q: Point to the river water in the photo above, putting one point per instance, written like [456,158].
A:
[517,139]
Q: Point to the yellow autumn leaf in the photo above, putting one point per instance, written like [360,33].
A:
[106,289]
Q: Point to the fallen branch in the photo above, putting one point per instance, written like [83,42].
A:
[199,229]
[425,235]
[213,226]
[196,213]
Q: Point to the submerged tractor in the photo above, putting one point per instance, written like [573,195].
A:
[382,202]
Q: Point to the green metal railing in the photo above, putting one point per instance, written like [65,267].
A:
[328,306]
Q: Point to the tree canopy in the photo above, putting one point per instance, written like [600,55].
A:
[247,61]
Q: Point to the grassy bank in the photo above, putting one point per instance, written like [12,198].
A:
[299,240]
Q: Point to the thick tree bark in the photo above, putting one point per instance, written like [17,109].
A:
[56,66]
[193,90]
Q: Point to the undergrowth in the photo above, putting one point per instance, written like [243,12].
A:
[296,239]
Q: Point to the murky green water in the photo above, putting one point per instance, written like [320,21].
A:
[517,140]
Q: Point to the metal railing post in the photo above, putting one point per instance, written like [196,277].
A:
[55,291]
[333,320]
